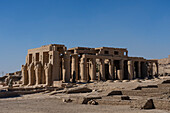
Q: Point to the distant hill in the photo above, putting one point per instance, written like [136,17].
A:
[164,66]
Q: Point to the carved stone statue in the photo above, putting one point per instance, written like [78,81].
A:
[38,73]
[6,80]
[31,74]
[10,84]
[24,74]
[48,73]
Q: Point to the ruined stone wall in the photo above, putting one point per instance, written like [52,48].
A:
[51,63]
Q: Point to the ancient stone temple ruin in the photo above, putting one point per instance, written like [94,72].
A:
[51,63]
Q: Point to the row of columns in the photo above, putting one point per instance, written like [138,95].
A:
[35,73]
[102,74]
[39,72]
[139,72]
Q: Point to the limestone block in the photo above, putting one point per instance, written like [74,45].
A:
[93,102]
[57,83]
[79,90]
[149,104]
[114,93]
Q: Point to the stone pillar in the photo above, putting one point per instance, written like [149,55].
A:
[67,67]
[119,74]
[38,73]
[64,75]
[48,74]
[102,69]
[111,77]
[56,66]
[75,64]
[115,72]
[93,70]
[121,71]
[157,69]
[130,70]
[83,69]
[31,74]
[43,79]
[145,69]
[139,69]
[24,74]
[151,68]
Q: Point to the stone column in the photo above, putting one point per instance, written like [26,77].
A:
[145,69]
[31,74]
[66,67]
[157,69]
[64,75]
[93,70]
[130,70]
[83,69]
[115,72]
[121,71]
[119,74]
[56,66]
[151,68]
[24,74]
[102,69]
[38,73]
[111,69]
[75,64]
[139,69]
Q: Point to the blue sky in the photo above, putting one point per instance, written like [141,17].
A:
[141,26]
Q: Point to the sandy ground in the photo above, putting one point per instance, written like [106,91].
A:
[43,103]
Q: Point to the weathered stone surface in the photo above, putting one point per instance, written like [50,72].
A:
[57,63]
[57,83]
[114,93]
[125,98]
[105,101]
[162,104]
[85,100]
[8,94]
[166,82]
[67,100]
[93,102]
[144,104]
[149,104]
[78,90]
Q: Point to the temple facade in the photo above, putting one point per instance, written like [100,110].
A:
[55,62]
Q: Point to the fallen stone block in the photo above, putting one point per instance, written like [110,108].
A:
[93,102]
[8,94]
[149,104]
[166,82]
[143,104]
[117,97]
[114,93]
[125,97]
[78,90]
[29,92]
[85,100]
[105,101]
[67,100]
[58,84]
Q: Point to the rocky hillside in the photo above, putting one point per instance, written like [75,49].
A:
[164,66]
